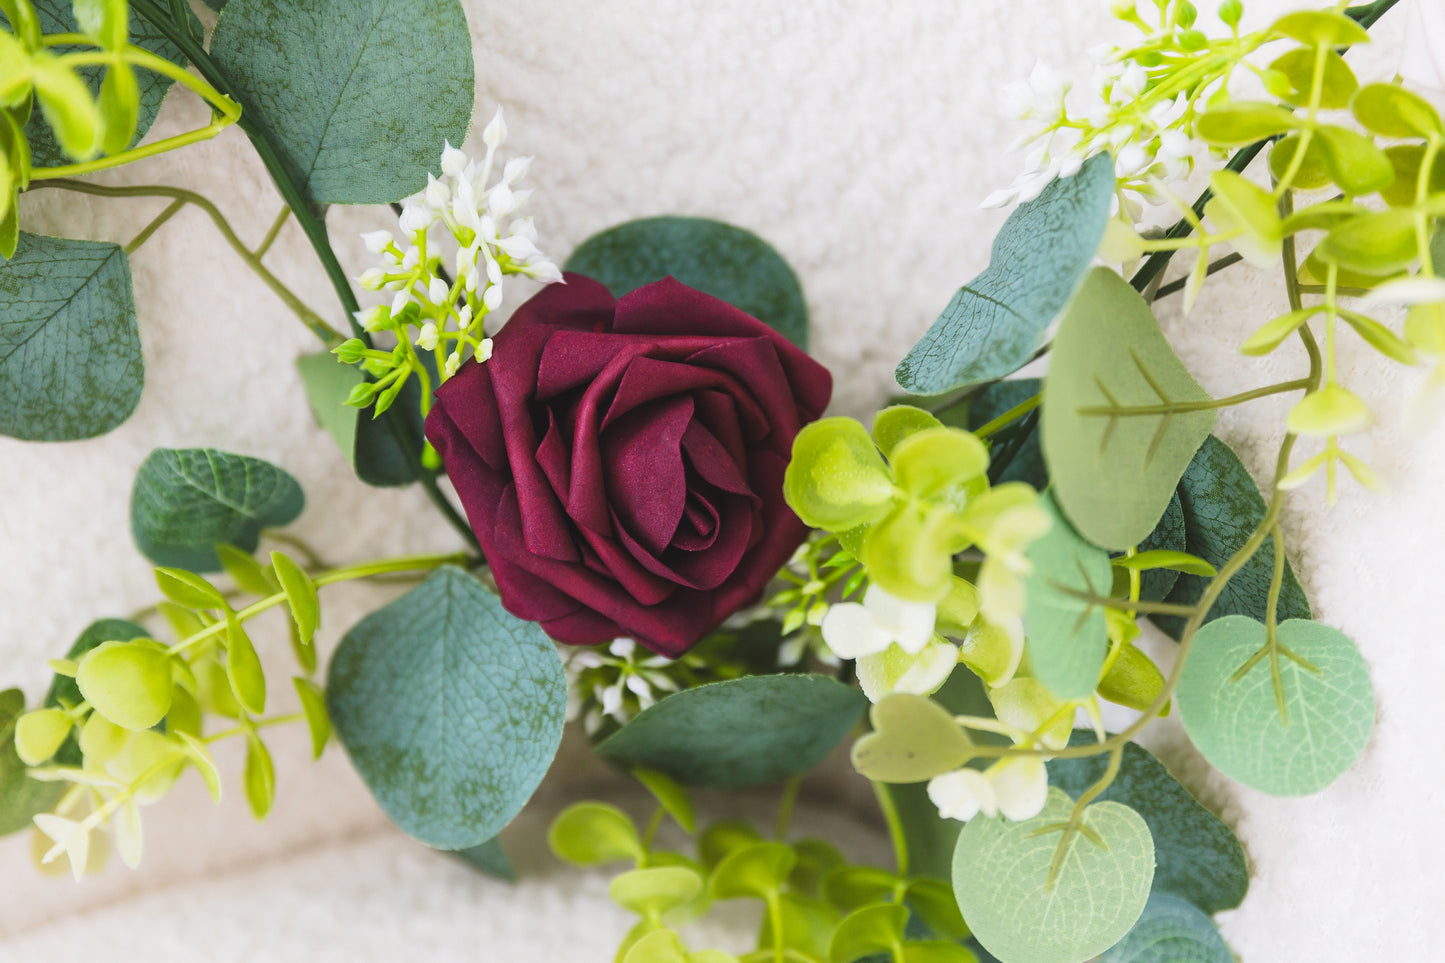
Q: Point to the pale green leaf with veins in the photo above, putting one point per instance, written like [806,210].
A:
[1122,416]
[1001,878]
[1067,637]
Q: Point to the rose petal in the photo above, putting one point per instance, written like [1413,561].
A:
[645,476]
[711,460]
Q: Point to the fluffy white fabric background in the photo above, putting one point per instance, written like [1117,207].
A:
[858,138]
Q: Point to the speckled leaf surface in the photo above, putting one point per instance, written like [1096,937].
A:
[1171,931]
[70,355]
[739,732]
[727,262]
[450,708]
[358,94]
[995,323]
[1222,507]
[1198,857]
[56,16]
[185,500]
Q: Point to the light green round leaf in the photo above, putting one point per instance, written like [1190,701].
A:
[589,833]
[21,797]
[1375,243]
[248,574]
[450,708]
[188,589]
[996,322]
[488,858]
[359,95]
[648,892]
[127,682]
[1197,856]
[1297,66]
[38,734]
[660,946]
[1114,455]
[1067,638]
[752,872]
[70,356]
[897,422]
[1133,680]
[1237,725]
[57,16]
[816,859]
[727,262]
[186,500]
[1001,873]
[932,901]
[872,929]
[1171,931]
[932,461]
[1241,122]
[1353,160]
[1317,28]
[1392,111]
[720,839]
[913,739]
[1312,174]
[63,690]
[836,479]
[672,796]
[740,732]
[1222,507]
[851,887]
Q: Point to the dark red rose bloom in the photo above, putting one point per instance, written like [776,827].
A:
[622,461]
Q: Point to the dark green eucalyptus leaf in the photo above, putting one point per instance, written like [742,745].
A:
[1222,507]
[1028,462]
[1167,536]
[1171,930]
[489,858]
[70,356]
[739,732]
[56,16]
[450,708]
[1199,859]
[727,262]
[358,94]
[996,322]
[20,796]
[367,443]
[186,500]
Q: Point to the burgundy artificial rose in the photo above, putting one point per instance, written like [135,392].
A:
[622,461]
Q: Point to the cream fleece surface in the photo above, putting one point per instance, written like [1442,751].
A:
[858,138]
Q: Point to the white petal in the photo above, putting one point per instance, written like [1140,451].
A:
[1020,785]
[1413,290]
[1002,197]
[416,218]
[426,337]
[623,647]
[438,195]
[493,298]
[495,132]
[437,291]
[910,624]
[500,201]
[852,632]
[544,271]
[930,671]
[485,351]
[962,794]
[612,699]
[402,299]
[517,248]
[516,169]
[453,161]
[126,830]
[377,241]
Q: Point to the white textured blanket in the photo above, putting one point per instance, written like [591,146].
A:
[858,138]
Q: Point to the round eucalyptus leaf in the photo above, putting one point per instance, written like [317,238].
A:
[753,872]
[656,890]
[590,833]
[335,84]
[913,739]
[740,732]
[1171,930]
[1067,639]
[127,682]
[1329,706]
[1001,877]
[727,262]
[450,708]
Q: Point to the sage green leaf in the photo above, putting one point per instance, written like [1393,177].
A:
[1117,430]
[1392,111]
[1067,638]
[872,929]
[996,322]
[450,708]
[1001,874]
[727,262]
[186,500]
[1222,508]
[1329,706]
[752,872]
[913,739]
[57,16]
[358,95]
[368,444]
[1197,856]
[739,732]
[70,357]
[1171,930]
[488,858]
[591,833]
[20,796]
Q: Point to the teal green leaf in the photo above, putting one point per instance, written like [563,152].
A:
[57,16]
[186,500]
[70,357]
[1222,508]
[20,796]
[727,262]
[739,732]
[488,858]
[1067,639]
[1237,723]
[1197,856]
[368,444]
[358,95]
[1001,873]
[1171,930]
[1028,461]
[1168,536]
[450,708]
[1114,459]
[996,322]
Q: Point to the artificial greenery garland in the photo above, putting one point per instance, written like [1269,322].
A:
[985,521]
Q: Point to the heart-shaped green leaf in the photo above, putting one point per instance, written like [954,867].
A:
[590,833]
[913,739]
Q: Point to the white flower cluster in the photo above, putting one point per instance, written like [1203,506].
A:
[639,677]
[493,237]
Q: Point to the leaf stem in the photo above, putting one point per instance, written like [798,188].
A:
[1179,407]
[155,225]
[1013,414]
[895,825]
[786,806]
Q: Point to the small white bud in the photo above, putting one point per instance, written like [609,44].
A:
[495,132]
[416,218]
[454,161]
[411,259]
[438,195]
[517,248]
[377,241]
[372,318]
[516,169]
[452,364]
[493,298]
[500,201]
[402,299]
[437,291]
[464,316]
[544,271]
[426,337]
[372,279]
